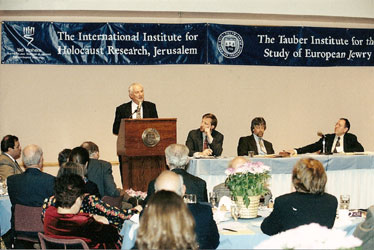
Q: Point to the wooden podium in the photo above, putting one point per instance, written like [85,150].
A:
[141,144]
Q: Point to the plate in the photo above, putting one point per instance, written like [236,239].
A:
[258,216]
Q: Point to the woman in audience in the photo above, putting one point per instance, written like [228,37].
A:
[63,156]
[66,222]
[166,224]
[76,168]
[308,204]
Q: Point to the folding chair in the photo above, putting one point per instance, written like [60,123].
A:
[27,223]
[47,242]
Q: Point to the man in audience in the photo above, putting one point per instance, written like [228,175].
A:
[177,159]
[255,142]
[10,152]
[33,186]
[221,189]
[137,108]
[365,230]
[63,156]
[340,141]
[206,228]
[206,140]
[100,172]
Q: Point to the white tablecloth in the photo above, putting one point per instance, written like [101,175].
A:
[347,174]
[5,214]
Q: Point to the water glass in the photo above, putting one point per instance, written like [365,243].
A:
[251,153]
[189,198]
[344,201]
[213,199]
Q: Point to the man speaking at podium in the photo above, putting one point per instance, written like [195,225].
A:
[137,108]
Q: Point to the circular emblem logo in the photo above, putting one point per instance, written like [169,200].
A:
[150,137]
[230,44]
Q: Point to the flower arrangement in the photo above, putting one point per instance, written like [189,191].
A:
[139,195]
[312,236]
[248,179]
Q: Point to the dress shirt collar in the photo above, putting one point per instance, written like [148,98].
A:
[9,156]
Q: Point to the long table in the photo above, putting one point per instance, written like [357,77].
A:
[346,174]
[5,214]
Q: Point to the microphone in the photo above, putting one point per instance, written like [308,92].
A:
[319,133]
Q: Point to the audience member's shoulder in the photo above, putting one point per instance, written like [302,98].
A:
[104,163]
[200,208]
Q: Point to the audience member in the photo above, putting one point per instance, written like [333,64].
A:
[100,172]
[166,224]
[80,155]
[365,230]
[65,221]
[33,186]
[255,142]
[177,159]
[206,140]
[340,141]
[206,228]
[308,204]
[10,152]
[63,156]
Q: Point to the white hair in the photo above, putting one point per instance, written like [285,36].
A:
[177,155]
[131,87]
[31,155]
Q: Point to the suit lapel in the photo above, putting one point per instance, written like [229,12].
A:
[253,144]
[200,141]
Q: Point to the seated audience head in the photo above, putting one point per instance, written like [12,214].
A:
[238,161]
[11,146]
[69,189]
[92,148]
[258,126]
[71,168]
[63,156]
[79,155]
[210,121]
[32,156]
[136,92]
[309,176]
[342,126]
[176,156]
[166,223]
[170,181]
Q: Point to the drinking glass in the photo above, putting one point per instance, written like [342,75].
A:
[344,201]
[213,199]
[251,153]
[189,198]
[235,212]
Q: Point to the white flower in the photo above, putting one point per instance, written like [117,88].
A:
[312,236]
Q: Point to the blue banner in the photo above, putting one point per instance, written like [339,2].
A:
[103,43]
[152,44]
[289,46]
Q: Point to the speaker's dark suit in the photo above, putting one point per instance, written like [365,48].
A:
[100,172]
[195,142]
[194,185]
[206,228]
[124,111]
[248,143]
[296,209]
[350,144]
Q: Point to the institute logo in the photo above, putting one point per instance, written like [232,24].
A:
[28,33]
[230,44]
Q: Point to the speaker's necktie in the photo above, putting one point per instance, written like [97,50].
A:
[205,145]
[337,145]
[262,146]
[138,115]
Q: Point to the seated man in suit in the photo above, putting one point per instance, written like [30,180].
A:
[206,140]
[137,108]
[177,159]
[340,141]
[206,228]
[10,152]
[100,172]
[33,186]
[255,142]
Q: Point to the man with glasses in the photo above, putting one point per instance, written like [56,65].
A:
[255,142]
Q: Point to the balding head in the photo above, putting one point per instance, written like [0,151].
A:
[170,181]
[32,156]
[238,161]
